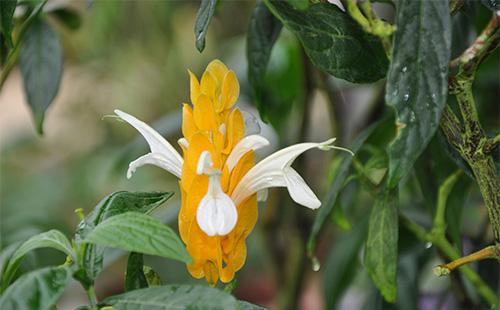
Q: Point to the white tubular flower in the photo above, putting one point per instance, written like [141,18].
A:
[276,171]
[216,214]
[162,153]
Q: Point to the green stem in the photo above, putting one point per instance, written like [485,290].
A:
[91,296]
[439,225]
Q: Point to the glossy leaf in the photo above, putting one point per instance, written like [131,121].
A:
[113,204]
[137,232]
[50,239]
[134,276]
[381,251]
[205,13]
[342,261]
[173,297]
[39,289]
[335,188]
[334,42]
[41,64]
[7,8]
[263,31]
[417,81]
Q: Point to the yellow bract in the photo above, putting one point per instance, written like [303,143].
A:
[211,124]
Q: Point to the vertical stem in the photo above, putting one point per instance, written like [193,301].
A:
[91,296]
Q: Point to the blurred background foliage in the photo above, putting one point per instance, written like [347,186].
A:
[134,56]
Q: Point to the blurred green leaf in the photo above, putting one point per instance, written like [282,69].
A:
[381,251]
[91,260]
[203,18]
[41,64]
[342,261]
[137,232]
[493,5]
[39,289]
[299,4]
[244,305]
[134,276]
[50,239]
[7,8]
[339,217]
[263,31]
[334,42]
[417,81]
[173,297]
[69,17]
[336,186]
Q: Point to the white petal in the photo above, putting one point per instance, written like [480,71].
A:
[248,143]
[216,214]
[337,3]
[270,172]
[262,194]
[183,142]
[157,143]
[204,163]
[299,191]
[157,159]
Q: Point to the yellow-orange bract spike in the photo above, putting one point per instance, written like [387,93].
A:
[213,125]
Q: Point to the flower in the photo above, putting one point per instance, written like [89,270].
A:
[219,180]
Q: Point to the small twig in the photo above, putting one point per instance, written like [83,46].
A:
[439,225]
[488,252]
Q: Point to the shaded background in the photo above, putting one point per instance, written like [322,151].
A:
[134,56]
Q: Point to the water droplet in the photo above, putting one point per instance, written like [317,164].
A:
[433,96]
[406,97]
[412,117]
[404,69]
[315,264]
[428,245]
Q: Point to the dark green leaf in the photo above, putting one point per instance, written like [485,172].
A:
[152,277]
[7,8]
[114,204]
[336,186]
[299,4]
[244,305]
[334,42]
[39,289]
[417,81]
[41,63]
[70,18]
[134,276]
[50,239]
[137,232]
[173,297]
[203,18]
[493,5]
[381,252]
[263,31]
[341,263]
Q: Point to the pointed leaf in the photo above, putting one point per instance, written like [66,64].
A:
[134,276]
[50,239]
[39,289]
[417,81]
[173,297]
[137,232]
[113,204]
[41,63]
[333,41]
[381,252]
[205,13]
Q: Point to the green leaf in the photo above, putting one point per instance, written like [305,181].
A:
[203,18]
[336,186]
[152,277]
[381,252]
[39,289]
[342,262]
[69,17]
[173,297]
[91,259]
[7,8]
[333,41]
[493,5]
[50,239]
[137,232]
[245,305]
[299,4]
[263,31]
[41,64]
[417,81]
[134,276]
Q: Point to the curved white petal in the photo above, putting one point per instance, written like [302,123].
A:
[183,142]
[262,194]
[156,159]
[205,163]
[248,143]
[274,171]
[157,143]
[216,214]
[337,3]
[300,192]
